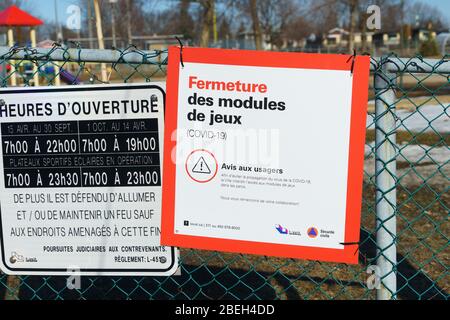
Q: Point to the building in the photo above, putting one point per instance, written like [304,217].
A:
[392,38]
[360,37]
[339,38]
[387,39]
[157,42]
[336,37]
[422,35]
[246,41]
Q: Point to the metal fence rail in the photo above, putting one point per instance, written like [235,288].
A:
[404,231]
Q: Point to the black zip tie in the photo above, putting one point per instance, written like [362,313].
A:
[353,61]
[181,51]
[351,244]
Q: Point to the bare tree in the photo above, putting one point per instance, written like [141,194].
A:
[353,11]
[224,29]
[275,16]
[128,18]
[323,15]
[185,24]
[421,15]
[90,20]
[255,23]
[207,21]
[297,28]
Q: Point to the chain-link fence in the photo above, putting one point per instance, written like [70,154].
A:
[404,231]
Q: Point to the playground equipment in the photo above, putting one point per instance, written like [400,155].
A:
[13,17]
[60,74]
[54,69]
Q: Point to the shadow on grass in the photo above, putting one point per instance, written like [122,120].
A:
[412,284]
[205,282]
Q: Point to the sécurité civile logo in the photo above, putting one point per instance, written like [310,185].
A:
[313,232]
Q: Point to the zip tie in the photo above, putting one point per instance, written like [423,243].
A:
[353,61]
[181,51]
[348,243]
[351,244]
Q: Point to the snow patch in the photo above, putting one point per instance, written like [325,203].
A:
[414,153]
[428,118]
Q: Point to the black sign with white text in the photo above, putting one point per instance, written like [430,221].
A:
[95,153]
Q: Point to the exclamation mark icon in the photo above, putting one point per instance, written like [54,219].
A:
[201,167]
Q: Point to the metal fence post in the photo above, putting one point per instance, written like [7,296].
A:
[385,171]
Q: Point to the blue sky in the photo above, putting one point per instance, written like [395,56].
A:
[45,8]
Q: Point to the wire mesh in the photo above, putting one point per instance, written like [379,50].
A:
[420,140]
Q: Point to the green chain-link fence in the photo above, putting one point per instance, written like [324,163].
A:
[404,229]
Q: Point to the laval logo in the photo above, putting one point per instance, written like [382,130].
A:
[16,258]
[281,230]
[312,232]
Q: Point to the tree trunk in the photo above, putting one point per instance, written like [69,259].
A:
[402,28]
[129,32]
[353,6]
[208,20]
[256,24]
[364,33]
[184,24]
[90,32]
[101,42]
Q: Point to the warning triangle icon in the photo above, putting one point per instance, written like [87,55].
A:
[201,167]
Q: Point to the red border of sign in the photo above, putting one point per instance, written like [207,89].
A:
[356,153]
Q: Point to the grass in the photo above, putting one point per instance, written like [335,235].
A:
[423,249]
[404,164]
[423,260]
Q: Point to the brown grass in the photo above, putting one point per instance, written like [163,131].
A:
[422,246]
